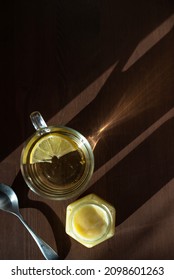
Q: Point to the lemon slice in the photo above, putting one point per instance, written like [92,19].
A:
[50,146]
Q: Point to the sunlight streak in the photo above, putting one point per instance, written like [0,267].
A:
[151,40]
[159,210]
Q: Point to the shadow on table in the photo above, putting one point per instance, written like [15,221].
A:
[61,238]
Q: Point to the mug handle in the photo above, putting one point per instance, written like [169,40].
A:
[37,120]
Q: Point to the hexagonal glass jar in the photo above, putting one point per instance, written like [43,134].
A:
[90,220]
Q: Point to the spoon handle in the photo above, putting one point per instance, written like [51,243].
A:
[46,250]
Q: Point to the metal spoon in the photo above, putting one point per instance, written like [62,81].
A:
[9,203]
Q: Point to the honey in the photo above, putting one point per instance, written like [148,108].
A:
[90,220]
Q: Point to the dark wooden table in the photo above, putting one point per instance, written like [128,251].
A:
[105,68]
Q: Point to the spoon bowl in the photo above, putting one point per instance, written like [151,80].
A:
[9,203]
[8,200]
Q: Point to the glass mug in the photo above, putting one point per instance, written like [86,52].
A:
[57,162]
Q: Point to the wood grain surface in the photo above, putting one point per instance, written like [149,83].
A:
[106,69]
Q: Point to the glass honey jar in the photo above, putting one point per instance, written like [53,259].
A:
[90,220]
